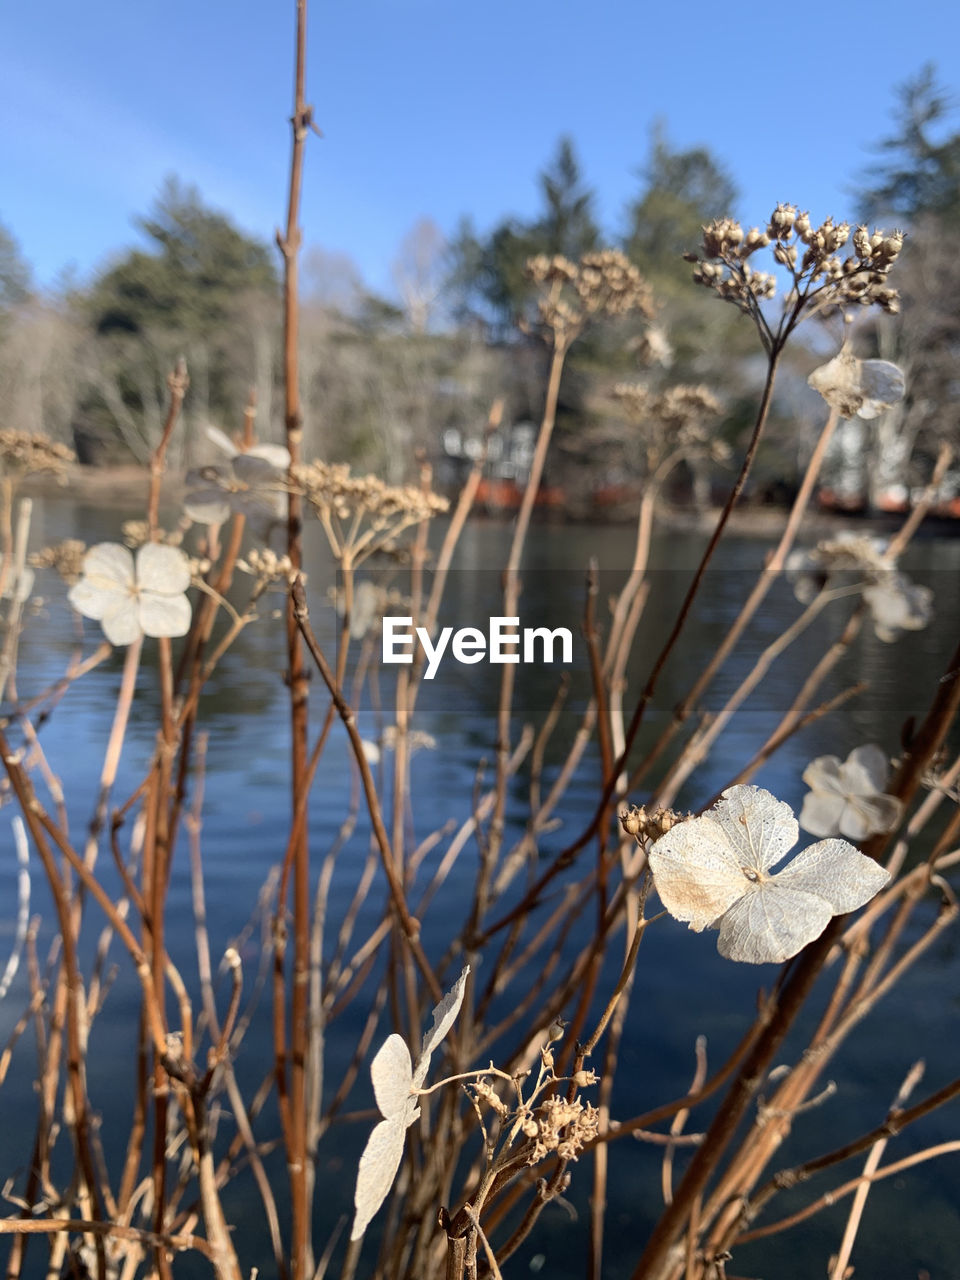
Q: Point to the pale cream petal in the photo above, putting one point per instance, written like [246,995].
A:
[121,620]
[823,774]
[162,569]
[392,1074]
[444,1016]
[277,456]
[378,1168]
[695,872]
[207,506]
[759,828]
[869,815]
[865,770]
[821,813]
[93,601]
[771,923]
[843,876]
[163,615]
[109,565]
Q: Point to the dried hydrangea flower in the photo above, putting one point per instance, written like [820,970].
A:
[846,797]
[130,598]
[251,484]
[395,1082]
[714,872]
[897,605]
[858,388]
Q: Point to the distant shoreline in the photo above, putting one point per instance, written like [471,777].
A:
[119,486]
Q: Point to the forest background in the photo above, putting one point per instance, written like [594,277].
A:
[385,375]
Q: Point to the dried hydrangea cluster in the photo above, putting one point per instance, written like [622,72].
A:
[604,283]
[822,277]
[560,1126]
[267,567]
[362,514]
[137,532]
[22,453]
[65,557]
[673,421]
[645,825]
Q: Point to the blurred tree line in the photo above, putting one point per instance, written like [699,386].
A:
[385,376]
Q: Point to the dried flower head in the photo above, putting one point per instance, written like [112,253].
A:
[847,798]
[131,598]
[395,1082]
[136,532]
[362,514]
[22,453]
[268,567]
[65,557]
[673,424]
[646,825]
[821,279]
[560,1126]
[604,283]
[714,872]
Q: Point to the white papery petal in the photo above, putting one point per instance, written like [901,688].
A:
[870,815]
[110,566]
[162,569]
[220,439]
[865,770]
[822,812]
[378,1168]
[392,1074]
[121,620]
[771,923]
[18,587]
[881,382]
[276,455]
[843,876]
[760,828]
[163,615]
[823,774]
[207,506]
[91,601]
[444,1016]
[695,872]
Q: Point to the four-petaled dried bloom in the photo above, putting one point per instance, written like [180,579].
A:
[395,1085]
[714,872]
[862,388]
[133,598]
[251,485]
[847,798]
[896,604]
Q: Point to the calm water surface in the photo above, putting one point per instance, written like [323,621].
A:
[683,988]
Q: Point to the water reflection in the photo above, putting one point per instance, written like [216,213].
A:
[683,987]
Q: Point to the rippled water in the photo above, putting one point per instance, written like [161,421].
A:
[683,987]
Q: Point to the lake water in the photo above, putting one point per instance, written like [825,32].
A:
[683,988]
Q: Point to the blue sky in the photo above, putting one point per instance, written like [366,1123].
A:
[431,107]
